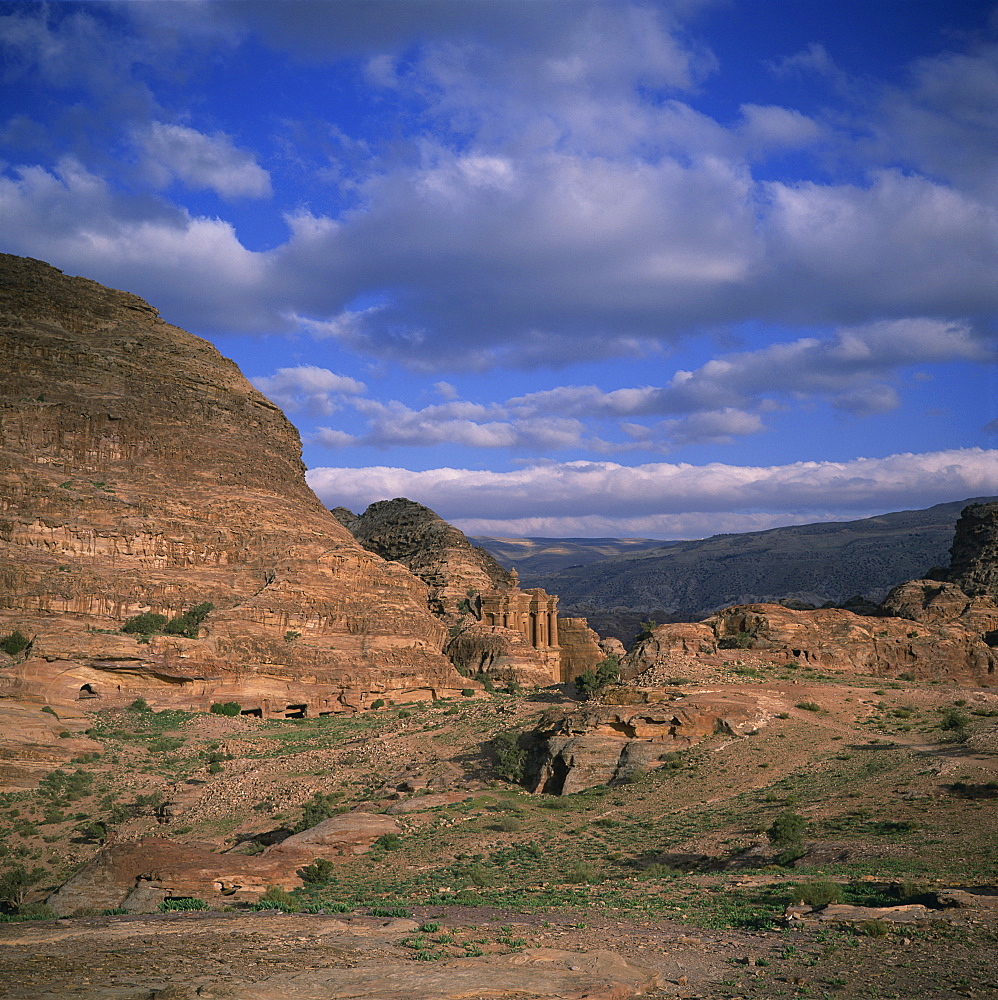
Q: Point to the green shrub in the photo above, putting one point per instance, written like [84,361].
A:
[511,757]
[319,872]
[183,903]
[139,705]
[816,893]
[388,842]
[16,642]
[318,808]
[146,624]
[809,706]
[188,623]
[15,883]
[873,928]
[215,767]
[277,898]
[48,709]
[468,692]
[37,911]
[377,703]
[740,640]
[788,828]
[591,682]
[228,708]
[580,873]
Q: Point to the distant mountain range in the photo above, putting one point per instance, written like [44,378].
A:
[618,582]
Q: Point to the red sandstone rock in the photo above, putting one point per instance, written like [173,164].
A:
[140,471]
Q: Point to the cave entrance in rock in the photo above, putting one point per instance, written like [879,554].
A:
[88,691]
[556,778]
[256,713]
[296,711]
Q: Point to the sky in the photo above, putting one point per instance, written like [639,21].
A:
[549,267]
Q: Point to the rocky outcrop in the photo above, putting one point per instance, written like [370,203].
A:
[581,647]
[607,744]
[974,553]
[829,639]
[456,572]
[139,471]
[138,875]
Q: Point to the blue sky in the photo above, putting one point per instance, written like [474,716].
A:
[551,267]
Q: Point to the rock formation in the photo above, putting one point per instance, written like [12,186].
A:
[604,744]
[828,639]
[974,553]
[139,471]
[496,628]
[456,572]
[138,875]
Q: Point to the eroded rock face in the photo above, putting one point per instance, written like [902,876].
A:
[974,553]
[140,471]
[603,744]
[831,639]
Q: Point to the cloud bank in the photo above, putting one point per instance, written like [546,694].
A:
[667,501]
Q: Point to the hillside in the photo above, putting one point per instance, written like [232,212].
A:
[534,558]
[812,563]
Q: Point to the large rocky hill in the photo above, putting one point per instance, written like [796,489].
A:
[809,563]
[141,472]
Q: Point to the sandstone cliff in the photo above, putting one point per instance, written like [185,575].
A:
[140,471]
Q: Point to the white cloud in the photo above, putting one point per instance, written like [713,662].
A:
[202,162]
[307,387]
[663,500]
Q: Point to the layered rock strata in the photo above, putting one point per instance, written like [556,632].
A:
[974,553]
[139,471]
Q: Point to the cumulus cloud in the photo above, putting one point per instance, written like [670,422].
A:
[663,500]
[309,388]
[855,370]
[568,199]
[202,162]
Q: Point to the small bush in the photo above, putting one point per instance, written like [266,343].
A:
[16,642]
[788,828]
[319,872]
[139,705]
[377,703]
[146,624]
[188,623]
[37,911]
[511,757]
[183,903]
[817,893]
[809,706]
[872,928]
[740,640]
[215,767]
[468,692]
[277,898]
[591,682]
[581,873]
[48,709]
[388,842]
[229,708]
